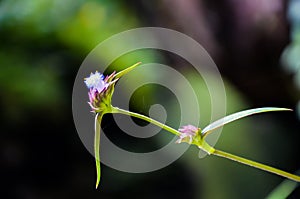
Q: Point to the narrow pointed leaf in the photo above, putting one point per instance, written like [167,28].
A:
[235,116]
[98,119]
[125,71]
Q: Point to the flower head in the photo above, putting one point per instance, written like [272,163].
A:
[95,81]
[188,133]
[101,90]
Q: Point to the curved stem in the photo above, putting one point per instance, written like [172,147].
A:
[143,117]
[98,119]
[256,165]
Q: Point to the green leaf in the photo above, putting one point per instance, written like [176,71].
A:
[125,71]
[235,116]
[98,119]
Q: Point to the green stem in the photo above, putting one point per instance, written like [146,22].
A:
[283,190]
[209,149]
[256,165]
[148,119]
[98,119]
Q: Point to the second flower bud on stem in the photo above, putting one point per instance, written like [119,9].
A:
[194,136]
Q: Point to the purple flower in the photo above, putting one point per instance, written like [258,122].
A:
[100,90]
[187,132]
[96,82]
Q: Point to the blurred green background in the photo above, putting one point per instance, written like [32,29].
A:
[43,43]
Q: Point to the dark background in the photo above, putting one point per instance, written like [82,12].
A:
[255,45]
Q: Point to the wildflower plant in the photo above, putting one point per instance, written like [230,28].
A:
[100,94]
